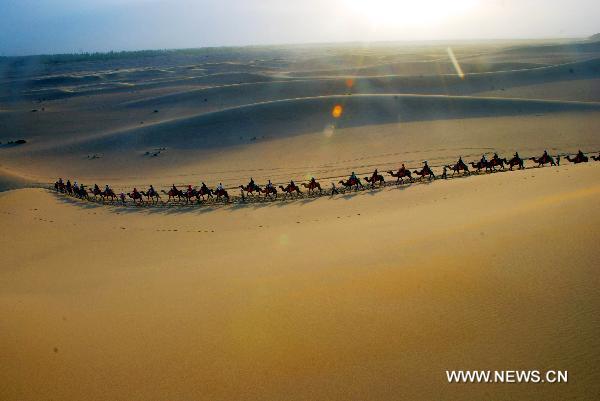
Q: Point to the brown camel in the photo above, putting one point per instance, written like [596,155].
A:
[425,172]
[402,172]
[375,179]
[290,189]
[312,186]
[543,160]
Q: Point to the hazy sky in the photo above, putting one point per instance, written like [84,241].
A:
[57,26]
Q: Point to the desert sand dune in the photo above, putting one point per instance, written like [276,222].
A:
[273,303]
[305,115]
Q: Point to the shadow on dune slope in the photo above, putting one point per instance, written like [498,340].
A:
[297,116]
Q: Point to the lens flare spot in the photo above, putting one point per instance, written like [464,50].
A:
[337,111]
[455,63]
[349,83]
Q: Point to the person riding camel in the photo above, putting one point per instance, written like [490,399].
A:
[292,185]
[313,181]
[107,189]
[374,175]
[251,184]
[122,196]
[203,186]
[353,178]
[580,154]
[460,162]
[516,156]
[96,188]
[68,184]
[496,157]
[189,188]
[219,187]
[75,186]
[135,192]
[403,168]
[545,155]
[60,181]
[174,188]
[483,160]
[269,185]
[151,190]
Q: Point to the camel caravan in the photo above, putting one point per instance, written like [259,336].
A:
[253,191]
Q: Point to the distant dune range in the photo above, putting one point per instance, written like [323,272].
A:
[228,96]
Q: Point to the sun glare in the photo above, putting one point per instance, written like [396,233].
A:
[423,13]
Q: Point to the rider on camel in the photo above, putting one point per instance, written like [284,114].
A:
[135,192]
[96,188]
[483,160]
[107,189]
[516,156]
[313,181]
[496,157]
[151,190]
[353,177]
[580,154]
[189,188]
[219,187]
[374,175]
[269,185]
[174,188]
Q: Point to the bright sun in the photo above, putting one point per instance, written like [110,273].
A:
[423,13]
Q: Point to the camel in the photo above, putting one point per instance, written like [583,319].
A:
[312,186]
[109,193]
[352,182]
[268,191]
[495,162]
[545,159]
[250,190]
[151,195]
[173,193]
[95,191]
[579,158]
[136,196]
[290,189]
[205,191]
[480,165]
[221,193]
[516,161]
[191,193]
[425,172]
[377,178]
[81,192]
[59,186]
[458,167]
[402,172]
